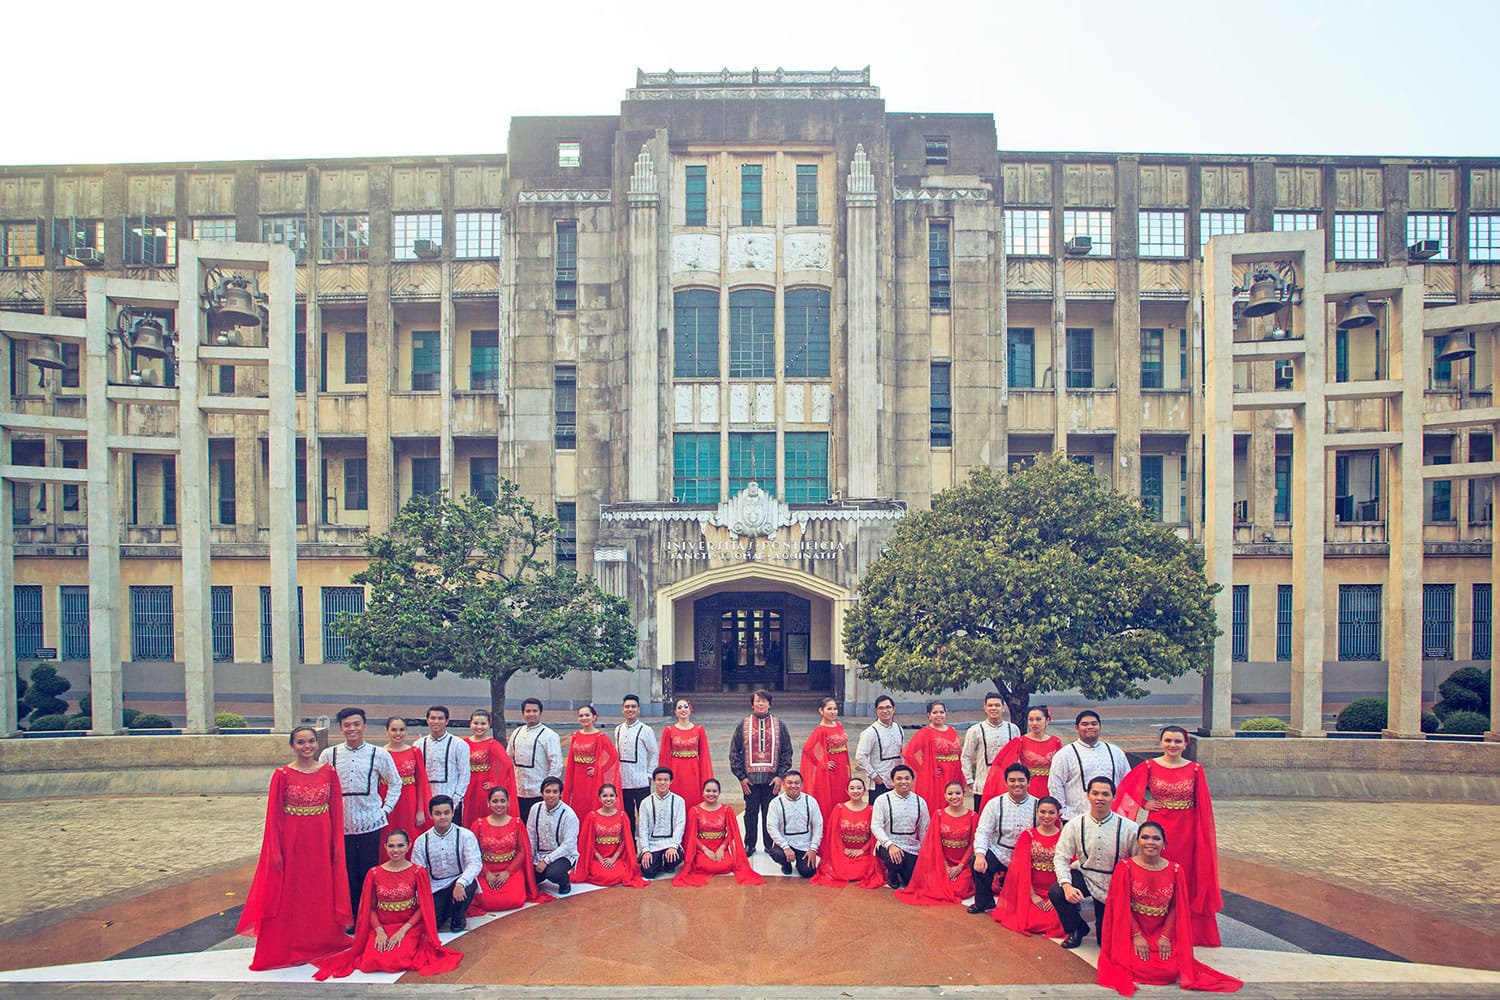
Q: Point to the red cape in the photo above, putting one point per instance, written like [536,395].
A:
[827,787]
[1016,910]
[502,773]
[930,884]
[431,958]
[414,799]
[688,773]
[930,779]
[1205,898]
[527,871]
[627,870]
[838,871]
[268,888]
[581,789]
[1117,961]
[692,874]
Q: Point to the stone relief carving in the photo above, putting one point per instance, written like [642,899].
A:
[752,512]
[752,252]
[808,252]
[695,252]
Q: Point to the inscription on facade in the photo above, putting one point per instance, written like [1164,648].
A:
[754,550]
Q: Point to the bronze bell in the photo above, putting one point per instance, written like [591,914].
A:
[236,305]
[148,339]
[1455,347]
[1356,314]
[46,354]
[1263,298]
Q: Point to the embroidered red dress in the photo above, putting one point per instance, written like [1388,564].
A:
[949,841]
[713,829]
[848,851]
[1178,799]
[934,755]
[489,766]
[1035,754]
[298,903]
[393,897]
[610,838]
[826,745]
[685,751]
[1030,873]
[505,848]
[592,761]
[414,790]
[1155,911]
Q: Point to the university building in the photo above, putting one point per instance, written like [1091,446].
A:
[729,335]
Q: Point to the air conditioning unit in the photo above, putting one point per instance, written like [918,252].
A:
[1423,250]
[1284,371]
[1079,246]
[427,249]
[87,256]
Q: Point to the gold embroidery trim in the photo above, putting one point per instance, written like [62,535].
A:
[479,767]
[607,841]
[1149,911]
[404,904]
[694,753]
[581,759]
[947,757]
[710,834]
[497,859]
[305,810]
[1171,804]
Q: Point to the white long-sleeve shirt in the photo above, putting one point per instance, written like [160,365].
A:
[447,762]
[553,834]
[900,820]
[537,753]
[1001,822]
[880,750]
[1075,764]
[795,823]
[638,753]
[361,770]
[660,821]
[450,857]
[1097,846]
[982,742]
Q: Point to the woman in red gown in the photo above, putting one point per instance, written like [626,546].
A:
[298,904]
[1034,748]
[712,843]
[848,849]
[592,762]
[933,755]
[410,813]
[942,876]
[1024,906]
[825,759]
[489,767]
[1174,791]
[606,849]
[507,879]
[396,931]
[684,748]
[1151,940]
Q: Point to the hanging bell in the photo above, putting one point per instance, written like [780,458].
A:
[1263,298]
[1356,314]
[46,354]
[236,305]
[1455,347]
[148,339]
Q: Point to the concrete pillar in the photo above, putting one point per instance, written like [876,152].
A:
[1127,320]
[9,717]
[446,375]
[644,406]
[193,517]
[1219,487]
[282,427]
[1403,623]
[1309,499]
[106,688]
[862,376]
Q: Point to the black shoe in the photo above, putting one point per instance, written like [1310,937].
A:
[349,930]
[1075,939]
[749,850]
[458,924]
[893,881]
[564,885]
[977,909]
[786,869]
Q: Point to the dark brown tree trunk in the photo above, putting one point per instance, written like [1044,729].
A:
[497,702]
[1017,701]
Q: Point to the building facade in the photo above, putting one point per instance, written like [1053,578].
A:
[728,335]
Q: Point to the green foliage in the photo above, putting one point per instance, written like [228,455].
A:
[80,722]
[464,586]
[50,723]
[1430,722]
[1466,724]
[41,695]
[1364,715]
[229,720]
[86,705]
[1457,699]
[128,717]
[150,720]
[1040,580]
[1471,679]
[1263,724]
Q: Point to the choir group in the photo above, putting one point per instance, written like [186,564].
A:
[1024,826]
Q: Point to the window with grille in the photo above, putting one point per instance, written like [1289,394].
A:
[21,245]
[426,361]
[1438,494]
[266,626]
[77,238]
[1283,513]
[356,484]
[807,194]
[1359,621]
[1097,224]
[806,467]
[223,623]
[1211,224]
[1239,645]
[153,489]
[565,277]
[484,478]
[28,605]
[565,407]
[150,242]
[337,601]
[478,234]
[752,458]
[1295,222]
[696,195]
[416,235]
[806,349]
[1163,234]
[1484,237]
[569,153]
[1356,486]
[940,406]
[1356,236]
[484,359]
[1153,485]
[1284,622]
[935,149]
[752,197]
[1028,232]
[1481,619]
[1020,357]
[356,358]
[214,229]
[1153,358]
[151,624]
[939,266]
[567,533]
[752,333]
[288,230]
[226,490]
[345,238]
[695,333]
[1430,226]
[695,467]
[1080,357]
[1437,621]
[426,477]
[75,622]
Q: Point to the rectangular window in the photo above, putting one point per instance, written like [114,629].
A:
[936,150]
[752,458]
[695,467]
[941,407]
[417,236]
[1080,358]
[150,242]
[751,195]
[299,361]
[1359,621]
[477,234]
[1020,357]
[695,333]
[21,245]
[1481,617]
[1439,494]
[356,360]
[226,380]
[569,153]
[484,479]
[265,626]
[1283,513]
[1239,645]
[1295,222]
[565,407]
[28,606]
[1163,234]
[78,241]
[1430,226]
[484,359]
[288,230]
[1356,236]
[337,601]
[152,626]
[1211,224]
[696,195]
[73,455]
[226,491]
[1356,486]
[752,333]
[214,229]
[75,623]
[806,349]
[1028,232]
[345,238]
[807,194]
[153,506]
[1152,485]
[1437,621]
[806,467]
[1153,357]
[223,623]
[567,533]
[1284,622]
[356,484]
[565,280]
[426,477]
[1484,238]
[1097,224]
[939,274]
[426,361]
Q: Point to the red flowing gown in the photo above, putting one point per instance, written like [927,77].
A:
[593,752]
[1030,871]
[489,767]
[1035,754]
[713,829]
[298,903]
[934,757]
[607,836]
[827,785]
[1178,799]
[848,852]
[414,790]
[686,752]
[1155,910]
[505,848]
[949,841]
[394,896]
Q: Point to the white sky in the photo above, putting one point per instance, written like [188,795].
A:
[313,78]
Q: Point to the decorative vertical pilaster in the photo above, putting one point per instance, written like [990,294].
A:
[193,512]
[863,375]
[1403,626]
[643,363]
[106,679]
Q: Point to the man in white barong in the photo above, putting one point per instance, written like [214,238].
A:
[1081,760]
[983,743]
[1085,857]
[1003,819]
[794,826]
[899,822]
[537,754]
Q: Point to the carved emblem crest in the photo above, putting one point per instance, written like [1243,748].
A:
[752,512]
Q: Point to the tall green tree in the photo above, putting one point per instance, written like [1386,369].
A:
[1042,579]
[466,586]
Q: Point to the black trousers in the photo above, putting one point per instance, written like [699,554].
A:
[1067,912]
[986,881]
[446,911]
[876,791]
[800,861]
[526,802]
[897,875]
[361,853]
[757,804]
[631,799]
[556,872]
[659,864]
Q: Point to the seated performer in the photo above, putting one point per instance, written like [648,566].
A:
[506,878]
[899,821]
[660,822]
[1148,929]
[1000,823]
[606,848]
[942,876]
[452,859]
[794,824]
[1025,906]
[396,930]
[848,853]
[1087,852]
[712,843]
[553,830]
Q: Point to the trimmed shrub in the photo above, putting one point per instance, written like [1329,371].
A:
[229,720]
[80,722]
[86,705]
[150,720]
[1470,679]
[1263,724]
[1430,722]
[128,717]
[48,724]
[42,695]
[1364,715]
[1457,699]
[1466,724]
